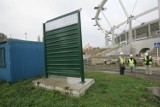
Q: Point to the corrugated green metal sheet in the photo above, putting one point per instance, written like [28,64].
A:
[63,50]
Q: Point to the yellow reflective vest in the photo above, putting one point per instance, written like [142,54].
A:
[131,63]
[122,60]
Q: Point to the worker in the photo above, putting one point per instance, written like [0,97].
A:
[148,63]
[132,64]
[121,61]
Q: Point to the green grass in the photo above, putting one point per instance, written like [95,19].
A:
[108,91]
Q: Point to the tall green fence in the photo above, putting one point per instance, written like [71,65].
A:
[63,46]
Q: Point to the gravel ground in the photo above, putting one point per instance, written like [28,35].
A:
[140,71]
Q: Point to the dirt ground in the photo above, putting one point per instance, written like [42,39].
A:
[140,71]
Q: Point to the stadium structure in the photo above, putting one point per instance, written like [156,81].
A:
[135,40]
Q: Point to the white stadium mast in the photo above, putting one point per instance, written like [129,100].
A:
[129,19]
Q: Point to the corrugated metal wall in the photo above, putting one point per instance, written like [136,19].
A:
[62,51]
[27,59]
[63,46]
[5,71]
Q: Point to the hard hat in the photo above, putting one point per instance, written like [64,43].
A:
[131,55]
[121,53]
[146,54]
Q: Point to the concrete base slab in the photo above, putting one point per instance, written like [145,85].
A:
[155,90]
[67,85]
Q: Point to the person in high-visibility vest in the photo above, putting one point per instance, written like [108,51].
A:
[148,64]
[132,64]
[121,61]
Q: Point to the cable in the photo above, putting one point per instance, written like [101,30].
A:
[106,19]
[134,6]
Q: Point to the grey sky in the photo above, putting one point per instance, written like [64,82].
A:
[18,17]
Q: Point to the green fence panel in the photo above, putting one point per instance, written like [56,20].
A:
[63,46]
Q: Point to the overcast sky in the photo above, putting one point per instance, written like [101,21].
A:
[18,17]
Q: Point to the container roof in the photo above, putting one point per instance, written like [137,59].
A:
[17,40]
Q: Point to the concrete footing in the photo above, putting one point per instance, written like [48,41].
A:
[67,85]
[154,90]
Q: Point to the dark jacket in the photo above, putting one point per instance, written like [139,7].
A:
[149,59]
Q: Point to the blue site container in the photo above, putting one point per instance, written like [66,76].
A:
[20,60]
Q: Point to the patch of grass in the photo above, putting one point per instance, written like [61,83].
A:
[108,91]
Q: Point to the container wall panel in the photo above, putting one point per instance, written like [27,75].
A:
[27,59]
[5,73]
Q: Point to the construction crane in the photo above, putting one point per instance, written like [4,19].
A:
[87,46]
